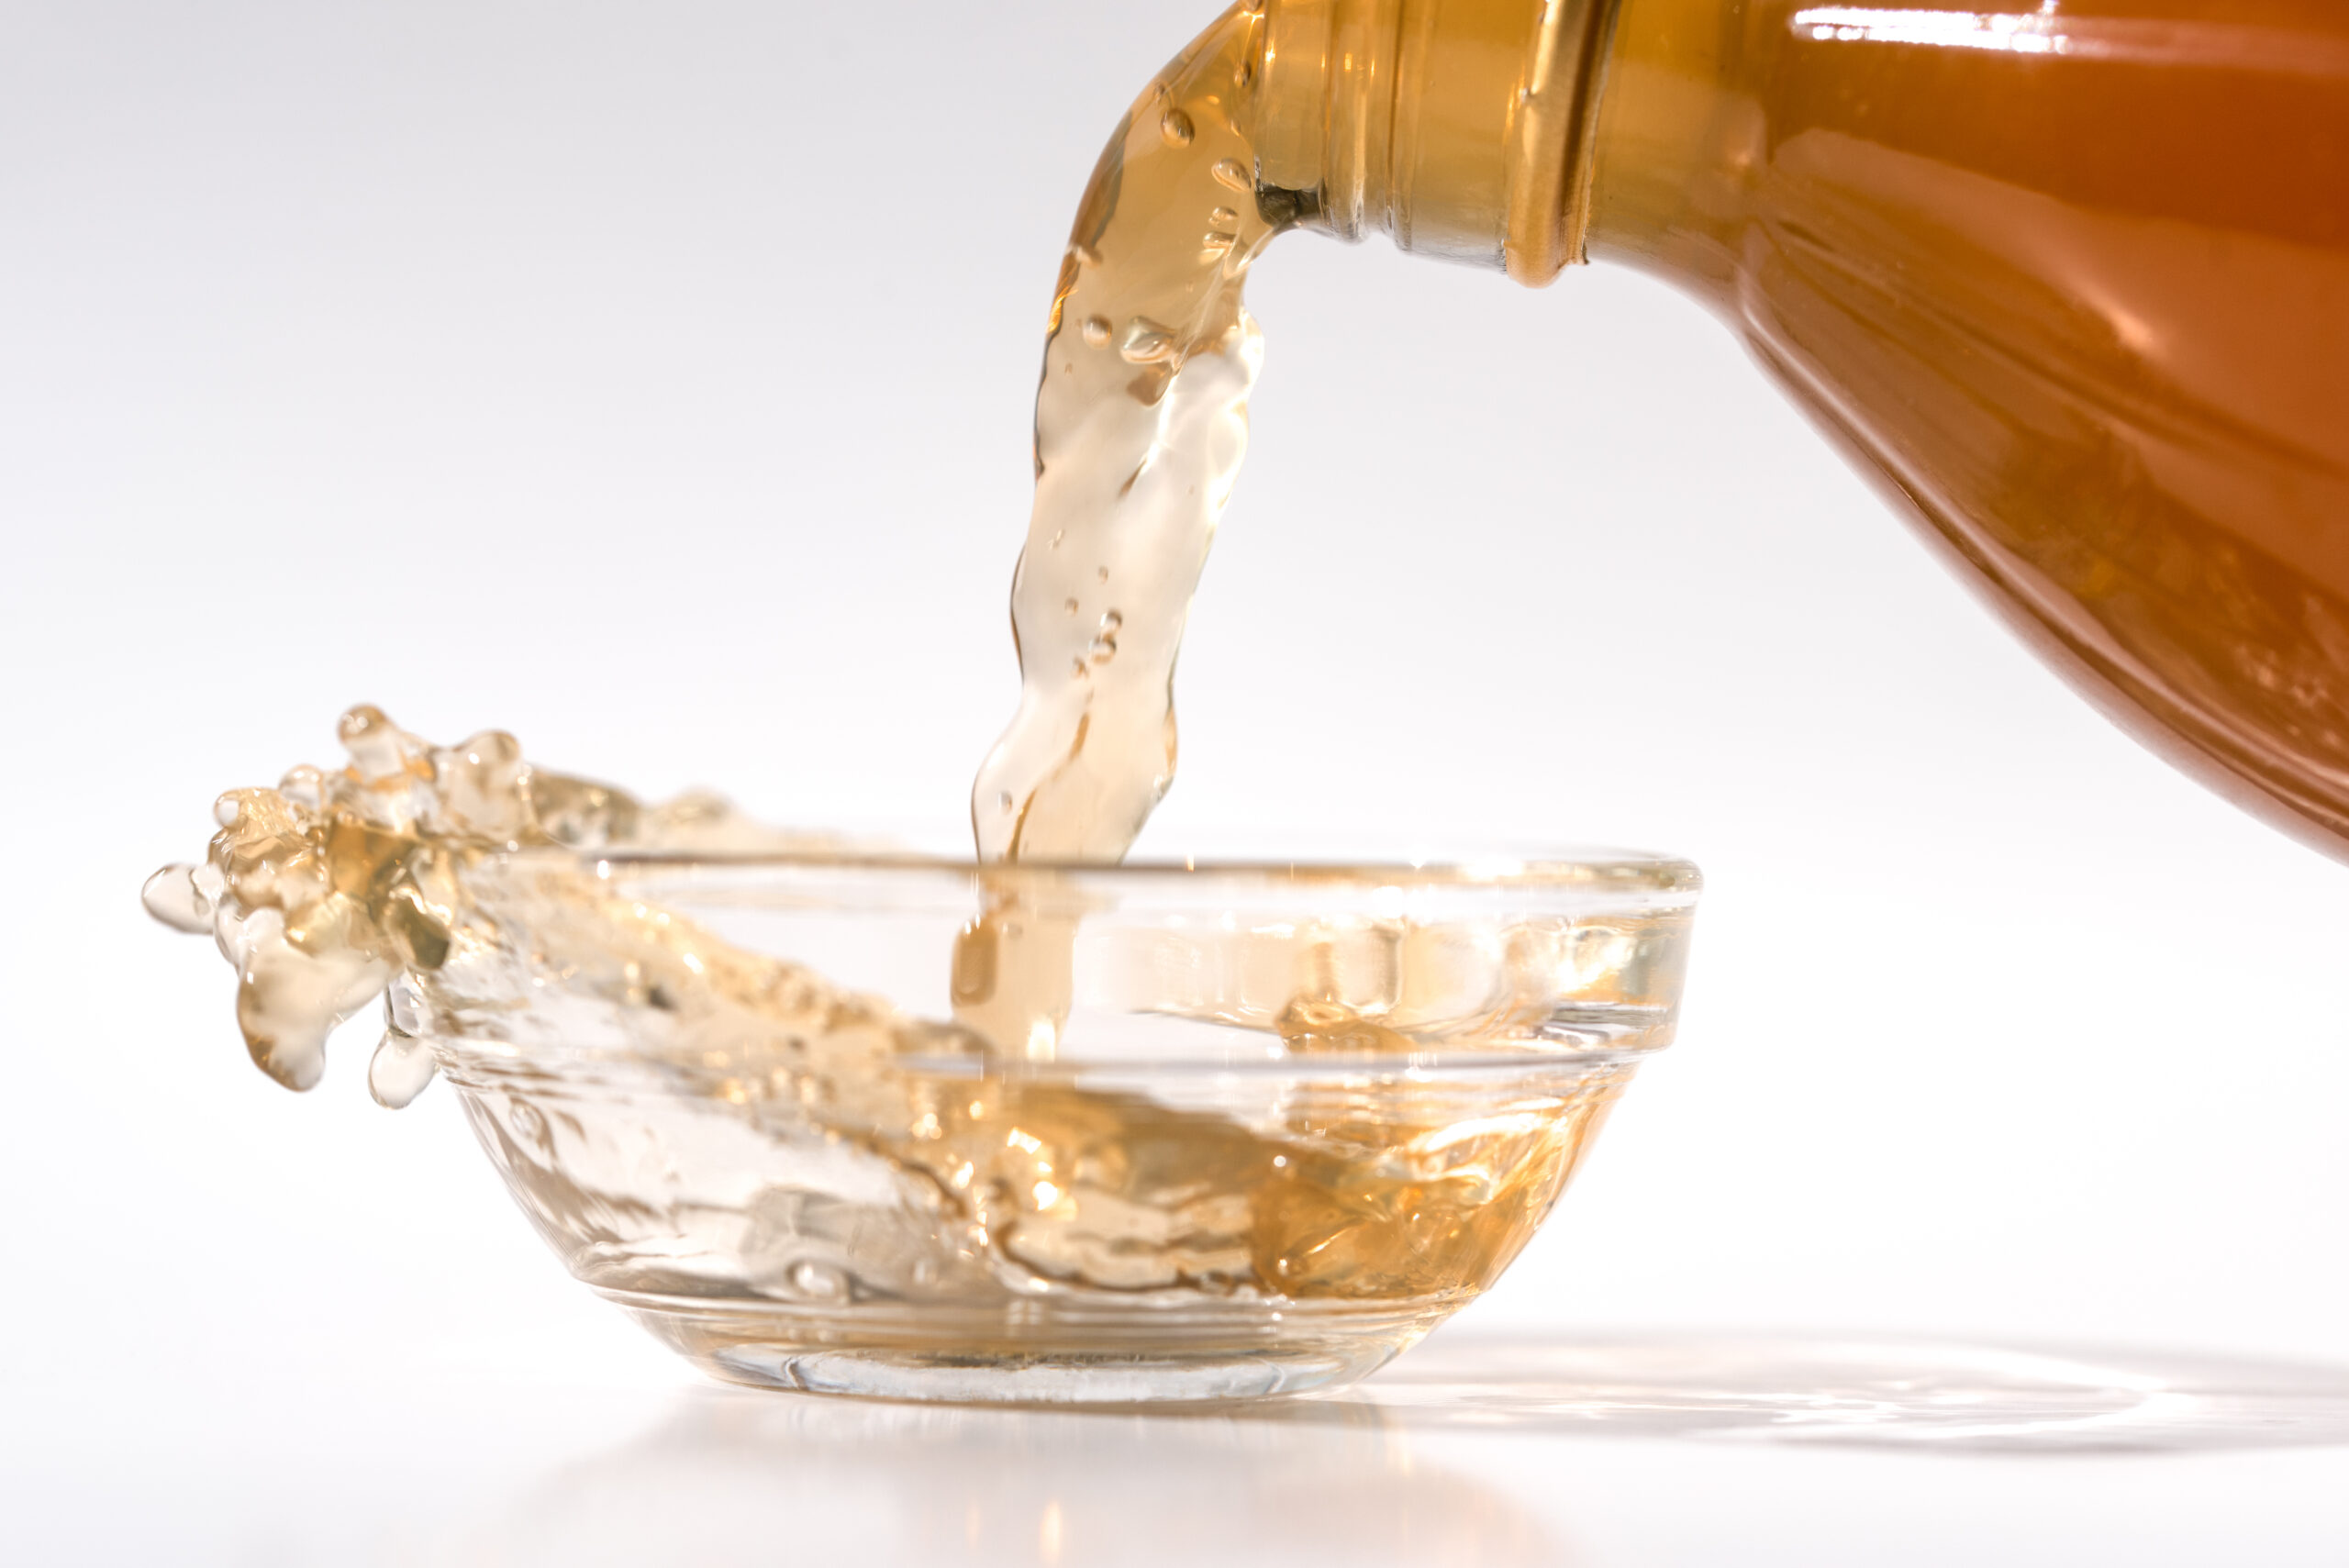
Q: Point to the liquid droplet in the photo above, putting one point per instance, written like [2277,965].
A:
[1069,605]
[170,896]
[1222,215]
[1217,242]
[1003,801]
[1101,573]
[1085,255]
[1230,172]
[374,742]
[1097,331]
[1146,342]
[399,1071]
[304,786]
[1176,127]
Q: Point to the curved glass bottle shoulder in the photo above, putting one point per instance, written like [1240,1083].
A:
[2074,282]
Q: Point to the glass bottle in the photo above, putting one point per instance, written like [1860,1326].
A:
[2070,283]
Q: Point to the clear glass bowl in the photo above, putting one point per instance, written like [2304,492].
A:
[1092,1135]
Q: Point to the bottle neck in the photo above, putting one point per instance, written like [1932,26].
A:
[1675,142]
[1461,127]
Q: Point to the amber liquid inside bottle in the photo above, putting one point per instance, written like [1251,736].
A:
[2074,283]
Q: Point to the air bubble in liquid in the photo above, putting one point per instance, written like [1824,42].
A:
[1146,342]
[1105,640]
[1176,128]
[1097,331]
[1230,172]
[817,1281]
[529,1122]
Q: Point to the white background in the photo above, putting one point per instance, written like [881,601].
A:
[654,381]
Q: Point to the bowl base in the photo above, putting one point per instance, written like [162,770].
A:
[1035,1353]
[1057,1380]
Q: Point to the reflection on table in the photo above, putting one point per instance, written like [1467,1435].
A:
[737,1476]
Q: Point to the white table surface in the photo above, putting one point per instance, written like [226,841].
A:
[589,1447]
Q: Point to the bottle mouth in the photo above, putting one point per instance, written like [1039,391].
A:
[1460,127]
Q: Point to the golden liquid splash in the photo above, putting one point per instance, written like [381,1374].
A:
[411,869]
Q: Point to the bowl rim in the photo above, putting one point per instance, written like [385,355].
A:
[1585,868]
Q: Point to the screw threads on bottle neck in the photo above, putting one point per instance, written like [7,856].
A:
[1461,127]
